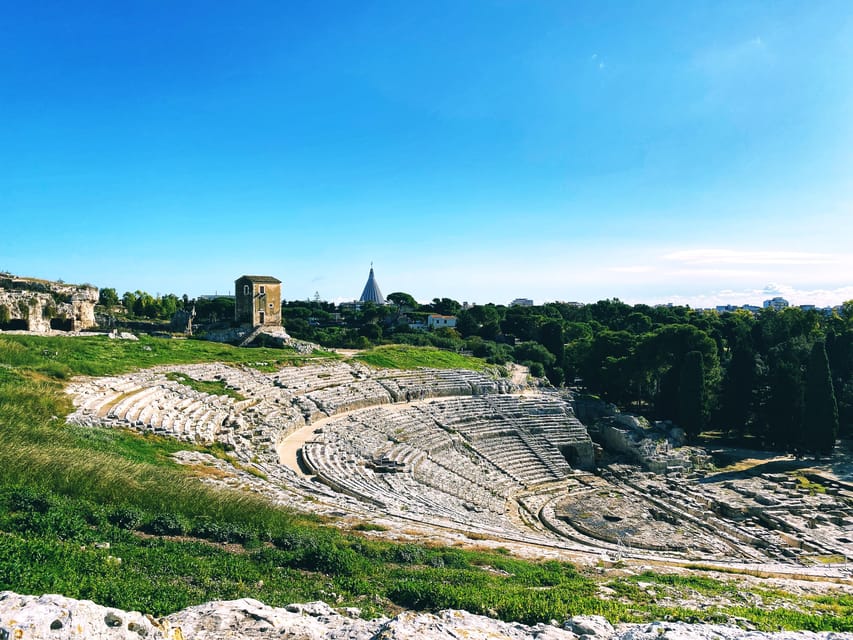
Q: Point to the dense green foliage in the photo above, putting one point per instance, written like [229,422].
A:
[141,305]
[753,365]
[820,418]
[691,394]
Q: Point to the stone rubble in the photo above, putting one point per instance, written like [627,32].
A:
[55,617]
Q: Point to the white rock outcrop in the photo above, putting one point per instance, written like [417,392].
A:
[54,617]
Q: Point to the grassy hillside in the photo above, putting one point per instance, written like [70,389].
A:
[61,357]
[409,357]
[105,515]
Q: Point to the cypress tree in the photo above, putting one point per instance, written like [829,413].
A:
[820,411]
[552,337]
[785,406]
[691,394]
[738,387]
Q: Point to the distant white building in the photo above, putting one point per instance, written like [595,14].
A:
[437,321]
[827,311]
[777,304]
[729,308]
[521,302]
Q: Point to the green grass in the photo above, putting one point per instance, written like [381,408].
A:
[700,584]
[807,485]
[130,445]
[212,387]
[61,357]
[409,357]
[66,490]
[38,450]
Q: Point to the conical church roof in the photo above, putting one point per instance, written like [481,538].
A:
[371,291]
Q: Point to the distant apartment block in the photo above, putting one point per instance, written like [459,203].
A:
[521,302]
[777,304]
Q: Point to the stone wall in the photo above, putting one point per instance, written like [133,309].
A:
[31,304]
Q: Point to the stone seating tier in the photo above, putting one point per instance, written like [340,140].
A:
[464,450]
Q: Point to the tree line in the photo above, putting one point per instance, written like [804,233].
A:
[782,379]
[142,305]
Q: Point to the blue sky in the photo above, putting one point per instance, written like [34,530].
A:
[689,152]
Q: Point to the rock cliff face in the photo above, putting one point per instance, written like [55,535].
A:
[36,305]
[55,617]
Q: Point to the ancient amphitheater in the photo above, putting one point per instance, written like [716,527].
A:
[459,451]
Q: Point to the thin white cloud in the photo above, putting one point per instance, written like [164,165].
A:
[794,295]
[637,268]
[774,289]
[729,256]
[729,274]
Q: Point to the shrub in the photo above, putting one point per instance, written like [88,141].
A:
[224,532]
[454,558]
[293,539]
[29,499]
[369,526]
[536,368]
[331,558]
[64,522]
[126,517]
[407,554]
[167,524]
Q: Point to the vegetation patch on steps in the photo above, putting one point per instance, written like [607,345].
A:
[212,387]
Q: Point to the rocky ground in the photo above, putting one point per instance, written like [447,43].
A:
[58,618]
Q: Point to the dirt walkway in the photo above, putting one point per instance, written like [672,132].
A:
[288,448]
